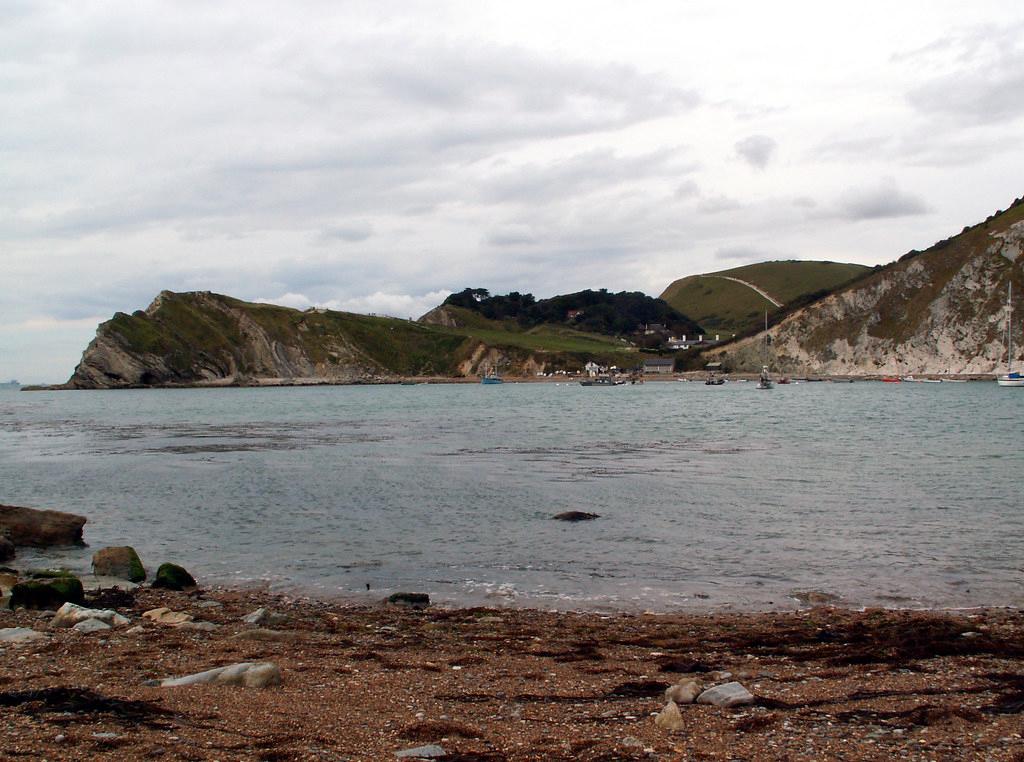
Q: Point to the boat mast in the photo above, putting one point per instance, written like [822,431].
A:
[1009,328]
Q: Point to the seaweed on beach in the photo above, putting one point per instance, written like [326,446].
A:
[79,701]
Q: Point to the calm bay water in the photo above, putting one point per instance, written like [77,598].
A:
[885,494]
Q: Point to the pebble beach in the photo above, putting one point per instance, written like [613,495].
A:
[379,682]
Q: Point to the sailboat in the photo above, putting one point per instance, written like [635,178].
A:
[765,382]
[1011,377]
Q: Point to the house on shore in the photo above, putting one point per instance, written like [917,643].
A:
[658,366]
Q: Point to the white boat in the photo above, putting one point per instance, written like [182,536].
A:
[1011,377]
[765,381]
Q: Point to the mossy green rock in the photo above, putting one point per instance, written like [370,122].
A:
[47,593]
[173,577]
[120,562]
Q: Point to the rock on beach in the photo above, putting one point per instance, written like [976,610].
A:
[120,562]
[40,528]
[71,615]
[247,674]
[726,695]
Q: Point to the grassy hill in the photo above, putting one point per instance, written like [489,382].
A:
[205,338]
[725,306]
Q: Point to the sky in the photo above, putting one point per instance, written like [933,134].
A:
[376,156]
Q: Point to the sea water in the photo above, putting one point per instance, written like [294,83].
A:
[708,497]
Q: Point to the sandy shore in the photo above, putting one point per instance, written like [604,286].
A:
[362,682]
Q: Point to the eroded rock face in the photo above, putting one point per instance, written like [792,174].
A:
[941,311]
[40,528]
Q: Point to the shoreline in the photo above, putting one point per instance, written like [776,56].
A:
[362,681]
[690,376]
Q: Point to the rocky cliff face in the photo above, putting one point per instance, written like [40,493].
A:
[941,311]
[202,338]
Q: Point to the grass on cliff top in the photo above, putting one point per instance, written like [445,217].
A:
[542,338]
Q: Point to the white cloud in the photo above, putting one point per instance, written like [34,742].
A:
[372,155]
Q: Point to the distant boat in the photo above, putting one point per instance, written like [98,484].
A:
[602,381]
[714,380]
[765,381]
[891,379]
[491,378]
[1011,377]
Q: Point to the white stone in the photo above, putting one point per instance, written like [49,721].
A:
[264,616]
[71,614]
[727,695]
[248,674]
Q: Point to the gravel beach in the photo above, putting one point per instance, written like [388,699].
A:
[363,682]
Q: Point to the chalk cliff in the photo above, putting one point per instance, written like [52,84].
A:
[939,311]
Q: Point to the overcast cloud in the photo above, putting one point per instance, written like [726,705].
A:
[374,156]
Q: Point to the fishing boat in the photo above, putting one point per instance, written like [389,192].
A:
[1011,377]
[491,377]
[714,380]
[765,381]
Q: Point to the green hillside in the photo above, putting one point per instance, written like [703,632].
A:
[206,338]
[724,306]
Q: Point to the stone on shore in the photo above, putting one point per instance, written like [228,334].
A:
[71,614]
[685,692]
[7,551]
[576,516]
[727,695]
[411,600]
[247,674]
[40,528]
[47,593]
[423,752]
[121,562]
[264,616]
[16,636]
[670,718]
[90,625]
[173,577]
[164,615]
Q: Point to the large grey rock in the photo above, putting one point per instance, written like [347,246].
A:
[41,528]
[727,695]
[71,614]
[17,636]
[90,625]
[248,674]
[121,562]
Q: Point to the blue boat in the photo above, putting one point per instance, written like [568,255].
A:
[491,378]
